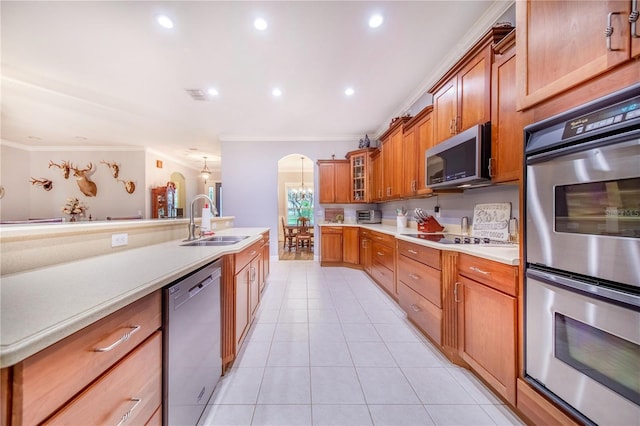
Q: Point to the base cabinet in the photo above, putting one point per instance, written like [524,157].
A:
[331,242]
[365,250]
[383,262]
[47,385]
[487,321]
[350,246]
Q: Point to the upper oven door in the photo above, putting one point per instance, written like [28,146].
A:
[583,210]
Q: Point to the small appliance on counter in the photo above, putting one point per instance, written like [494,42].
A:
[368,216]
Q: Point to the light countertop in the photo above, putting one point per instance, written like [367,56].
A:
[42,306]
[509,255]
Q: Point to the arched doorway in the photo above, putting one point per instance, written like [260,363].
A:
[295,200]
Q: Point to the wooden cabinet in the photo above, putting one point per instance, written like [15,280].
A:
[247,290]
[360,175]
[46,382]
[376,176]
[418,137]
[365,250]
[420,287]
[562,44]
[350,245]
[507,123]
[265,266]
[334,181]
[487,321]
[331,242]
[461,98]
[163,201]
[392,167]
[131,391]
[383,261]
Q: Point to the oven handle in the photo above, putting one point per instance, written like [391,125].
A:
[585,287]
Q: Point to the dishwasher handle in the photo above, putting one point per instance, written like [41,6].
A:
[200,286]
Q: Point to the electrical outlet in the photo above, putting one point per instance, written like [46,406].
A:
[118,240]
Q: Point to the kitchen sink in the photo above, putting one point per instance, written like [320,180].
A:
[222,240]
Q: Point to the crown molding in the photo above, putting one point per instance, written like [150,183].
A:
[78,148]
[241,138]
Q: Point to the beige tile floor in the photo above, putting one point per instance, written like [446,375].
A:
[328,347]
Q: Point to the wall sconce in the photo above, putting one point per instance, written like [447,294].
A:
[205,173]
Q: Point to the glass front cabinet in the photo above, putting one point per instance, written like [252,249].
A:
[360,175]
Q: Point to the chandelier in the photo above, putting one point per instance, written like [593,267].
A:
[205,173]
[302,193]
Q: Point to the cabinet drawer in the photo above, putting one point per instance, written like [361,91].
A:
[131,390]
[48,379]
[423,279]
[427,255]
[386,239]
[331,230]
[245,256]
[424,313]
[383,254]
[365,233]
[383,276]
[496,275]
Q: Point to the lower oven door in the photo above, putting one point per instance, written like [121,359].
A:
[583,351]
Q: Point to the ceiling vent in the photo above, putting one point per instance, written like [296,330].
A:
[197,94]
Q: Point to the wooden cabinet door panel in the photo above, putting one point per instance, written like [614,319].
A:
[383,254]
[424,313]
[422,279]
[424,135]
[48,379]
[383,276]
[365,254]
[342,182]
[254,284]
[474,100]
[326,172]
[132,390]
[506,123]
[409,166]
[331,247]
[488,330]
[242,304]
[445,110]
[350,245]
[561,44]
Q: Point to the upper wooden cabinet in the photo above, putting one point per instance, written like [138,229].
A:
[360,175]
[507,123]
[561,44]
[418,137]
[334,184]
[376,176]
[462,97]
[392,148]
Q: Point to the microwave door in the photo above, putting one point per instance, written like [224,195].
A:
[435,170]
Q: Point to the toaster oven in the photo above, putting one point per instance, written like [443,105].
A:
[368,216]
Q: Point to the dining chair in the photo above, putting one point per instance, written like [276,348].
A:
[289,236]
[303,236]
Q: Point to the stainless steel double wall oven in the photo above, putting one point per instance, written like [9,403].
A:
[582,257]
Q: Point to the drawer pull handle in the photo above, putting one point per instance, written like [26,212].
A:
[474,269]
[455,293]
[412,251]
[415,308]
[379,253]
[414,276]
[128,413]
[123,339]
[252,253]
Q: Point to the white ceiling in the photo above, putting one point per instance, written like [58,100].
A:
[106,74]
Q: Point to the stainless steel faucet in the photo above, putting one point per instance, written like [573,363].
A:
[192,224]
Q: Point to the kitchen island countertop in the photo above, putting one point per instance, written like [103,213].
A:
[43,306]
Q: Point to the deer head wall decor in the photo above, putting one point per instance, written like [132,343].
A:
[115,169]
[129,186]
[65,167]
[86,186]
[46,184]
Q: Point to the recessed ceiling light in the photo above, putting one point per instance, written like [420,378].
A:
[376,20]
[212,91]
[349,91]
[260,24]
[165,21]
[276,92]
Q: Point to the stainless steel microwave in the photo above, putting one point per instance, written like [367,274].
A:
[461,161]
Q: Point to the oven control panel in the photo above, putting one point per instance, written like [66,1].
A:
[615,114]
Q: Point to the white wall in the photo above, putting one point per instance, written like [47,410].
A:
[250,179]
[23,200]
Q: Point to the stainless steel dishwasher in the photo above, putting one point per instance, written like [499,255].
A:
[193,362]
